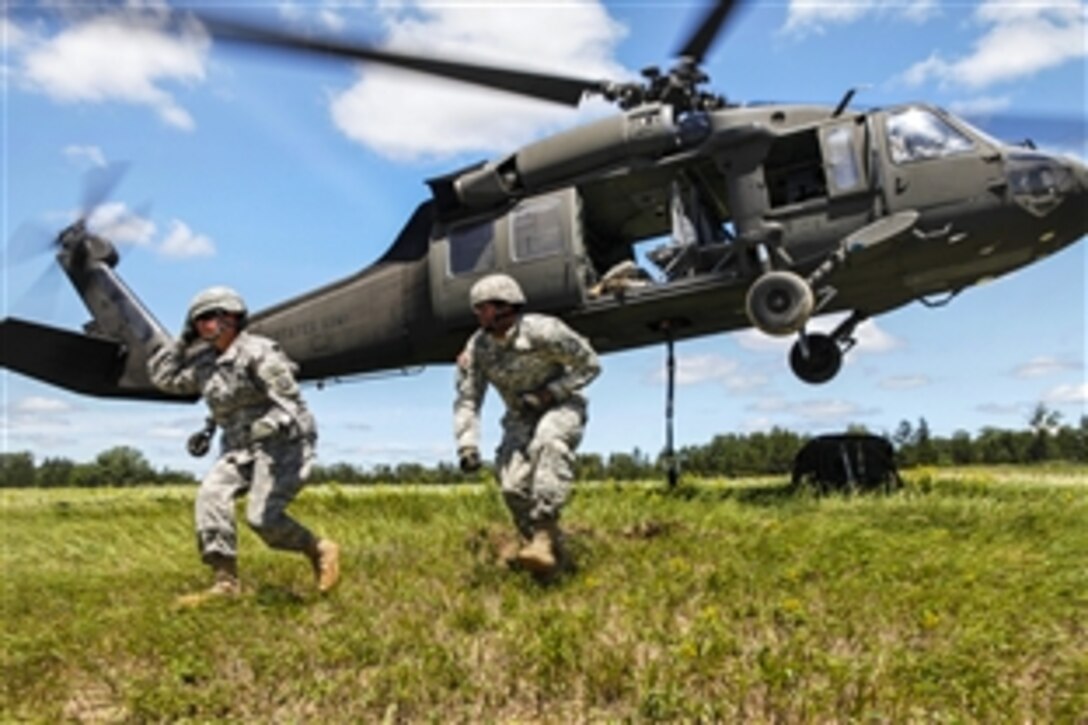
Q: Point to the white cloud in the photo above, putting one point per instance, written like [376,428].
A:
[182,242]
[812,16]
[1020,40]
[11,35]
[173,433]
[712,368]
[1042,366]
[326,16]
[806,413]
[827,411]
[90,154]
[869,335]
[1071,394]
[106,59]
[695,369]
[37,405]
[905,382]
[1002,408]
[404,115]
[981,105]
[114,221]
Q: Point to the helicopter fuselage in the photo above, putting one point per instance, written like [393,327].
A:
[725,195]
[638,228]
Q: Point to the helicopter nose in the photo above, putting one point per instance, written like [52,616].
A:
[1080,170]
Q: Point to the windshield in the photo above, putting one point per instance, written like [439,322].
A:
[916,134]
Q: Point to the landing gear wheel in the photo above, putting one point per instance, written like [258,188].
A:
[822,361]
[779,303]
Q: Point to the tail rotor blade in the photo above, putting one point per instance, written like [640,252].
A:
[99,183]
[41,300]
[30,241]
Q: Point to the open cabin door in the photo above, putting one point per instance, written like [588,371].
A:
[818,184]
[538,242]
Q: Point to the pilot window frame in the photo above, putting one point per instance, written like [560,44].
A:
[537,229]
[903,149]
[471,250]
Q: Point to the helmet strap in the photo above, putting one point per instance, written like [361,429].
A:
[503,319]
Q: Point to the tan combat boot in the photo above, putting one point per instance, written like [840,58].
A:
[325,558]
[509,550]
[226,585]
[539,555]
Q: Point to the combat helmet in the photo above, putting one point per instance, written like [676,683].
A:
[496,288]
[216,298]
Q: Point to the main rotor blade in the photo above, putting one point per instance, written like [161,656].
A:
[707,31]
[554,88]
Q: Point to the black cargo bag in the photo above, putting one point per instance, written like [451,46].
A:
[847,462]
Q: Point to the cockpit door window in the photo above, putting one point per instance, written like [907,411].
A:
[917,134]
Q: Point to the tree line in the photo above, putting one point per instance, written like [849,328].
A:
[1045,439]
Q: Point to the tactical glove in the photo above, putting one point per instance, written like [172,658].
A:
[199,443]
[469,459]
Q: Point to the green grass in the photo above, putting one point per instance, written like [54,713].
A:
[962,598]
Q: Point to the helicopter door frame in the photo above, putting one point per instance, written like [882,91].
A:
[538,242]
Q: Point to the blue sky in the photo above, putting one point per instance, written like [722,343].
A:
[275,174]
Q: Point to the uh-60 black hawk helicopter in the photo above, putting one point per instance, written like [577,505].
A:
[773,214]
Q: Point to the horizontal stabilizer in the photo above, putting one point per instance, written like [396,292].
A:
[76,362]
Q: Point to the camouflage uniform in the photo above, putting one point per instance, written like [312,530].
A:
[536,457]
[253,381]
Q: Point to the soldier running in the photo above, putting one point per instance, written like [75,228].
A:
[267,445]
[539,366]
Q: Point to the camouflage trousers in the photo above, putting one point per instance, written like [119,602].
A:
[272,474]
[535,462]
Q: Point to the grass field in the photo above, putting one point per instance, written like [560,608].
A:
[962,598]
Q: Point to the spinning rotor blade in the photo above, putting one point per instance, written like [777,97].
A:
[707,31]
[33,239]
[29,241]
[41,300]
[554,88]
[98,184]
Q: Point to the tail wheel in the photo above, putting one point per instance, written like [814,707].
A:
[817,359]
[780,303]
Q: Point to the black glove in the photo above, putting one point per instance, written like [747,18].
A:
[469,459]
[199,442]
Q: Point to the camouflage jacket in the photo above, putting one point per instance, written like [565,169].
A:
[250,380]
[538,351]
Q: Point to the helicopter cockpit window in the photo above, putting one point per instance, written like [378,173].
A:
[916,134]
[537,227]
[471,249]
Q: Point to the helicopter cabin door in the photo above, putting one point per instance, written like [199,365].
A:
[538,242]
[817,185]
